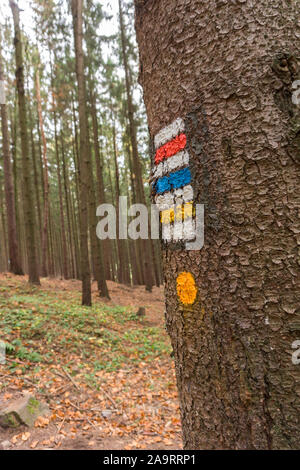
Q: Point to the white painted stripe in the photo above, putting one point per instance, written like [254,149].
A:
[167,232]
[179,196]
[189,229]
[178,200]
[2,92]
[178,231]
[164,201]
[187,193]
[168,133]
[178,160]
[185,231]
[183,195]
[158,171]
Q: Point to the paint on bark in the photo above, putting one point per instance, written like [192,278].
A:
[229,68]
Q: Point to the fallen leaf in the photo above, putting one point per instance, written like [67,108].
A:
[41,422]
[34,444]
[25,436]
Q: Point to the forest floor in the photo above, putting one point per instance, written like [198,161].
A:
[106,374]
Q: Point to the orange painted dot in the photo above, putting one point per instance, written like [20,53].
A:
[186,288]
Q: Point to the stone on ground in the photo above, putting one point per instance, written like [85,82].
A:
[24,410]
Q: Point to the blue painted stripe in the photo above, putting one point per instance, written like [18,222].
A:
[175,180]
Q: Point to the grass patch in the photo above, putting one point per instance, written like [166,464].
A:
[42,326]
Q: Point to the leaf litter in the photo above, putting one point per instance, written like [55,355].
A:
[106,373]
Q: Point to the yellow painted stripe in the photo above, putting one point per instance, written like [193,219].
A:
[182,212]
[167,216]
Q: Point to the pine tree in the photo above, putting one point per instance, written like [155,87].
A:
[29,214]
[231,308]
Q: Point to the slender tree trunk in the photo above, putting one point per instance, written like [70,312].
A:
[148,271]
[50,244]
[27,186]
[63,241]
[67,193]
[36,179]
[14,258]
[77,175]
[96,250]
[137,246]
[74,225]
[84,159]
[100,181]
[4,247]
[14,136]
[65,270]
[45,250]
[230,71]
[120,248]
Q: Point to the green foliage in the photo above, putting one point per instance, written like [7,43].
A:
[40,326]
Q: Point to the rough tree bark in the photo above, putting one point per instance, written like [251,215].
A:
[229,68]
[96,248]
[14,255]
[45,251]
[100,182]
[84,158]
[28,205]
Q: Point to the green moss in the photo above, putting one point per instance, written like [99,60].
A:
[33,405]
[10,420]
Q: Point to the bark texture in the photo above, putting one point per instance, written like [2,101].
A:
[28,205]
[84,162]
[227,68]
[45,177]
[14,257]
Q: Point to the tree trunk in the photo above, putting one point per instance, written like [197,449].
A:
[120,242]
[100,181]
[36,180]
[3,232]
[28,206]
[146,244]
[229,71]
[45,251]
[84,159]
[96,248]
[14,258]
[67,193]
[13,133]
[65,270]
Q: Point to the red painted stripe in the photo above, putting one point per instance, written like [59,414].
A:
[170,148]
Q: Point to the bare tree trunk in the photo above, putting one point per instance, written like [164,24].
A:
[140,193]
[46,178]
[14,258]
[84,159]
[4,247]
[96,249]
[67,193]
[36,181]
[14,137]
[137,247]
[27,186]
[65,270]
[63,241]
[120,248]
[228,69]
[100,183]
